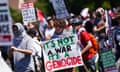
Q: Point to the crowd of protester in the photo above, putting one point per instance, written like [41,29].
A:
[25,54]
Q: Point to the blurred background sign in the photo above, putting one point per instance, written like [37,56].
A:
[28,12]
[5,24]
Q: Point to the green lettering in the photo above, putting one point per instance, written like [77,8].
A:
[72,39]
[57,56]
[66,40]
[66,54]
[46,45]
[53,44]
[60,42]
[50,57]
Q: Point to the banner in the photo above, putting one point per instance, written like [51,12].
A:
[60,8]
[108,60]
[62,53]
[5,24]
[28,12]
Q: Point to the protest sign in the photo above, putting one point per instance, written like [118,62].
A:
[28,12]
[62,53]
[60,8]
[108,60]
[5,24]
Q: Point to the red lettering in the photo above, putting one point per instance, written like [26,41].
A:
[48,66]
[78,59]
[69,60]
[74,61]
[56,64]
[63,62]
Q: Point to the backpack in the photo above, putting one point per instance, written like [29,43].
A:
[95,44]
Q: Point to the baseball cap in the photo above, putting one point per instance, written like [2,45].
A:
[75,21]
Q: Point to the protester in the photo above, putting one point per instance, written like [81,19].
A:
[116,37]
[23,49]
[59,28]
[99,29]
[49,29]
[35,25]
[85,44]
[59,32]
[38,57]
[26,52]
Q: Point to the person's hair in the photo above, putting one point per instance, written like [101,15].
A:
[98,14]
[14,27]
[60,23]
[32,32]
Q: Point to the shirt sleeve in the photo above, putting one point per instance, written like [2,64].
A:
[85,36]
[36,49]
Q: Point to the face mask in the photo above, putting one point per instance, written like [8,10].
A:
[18,30]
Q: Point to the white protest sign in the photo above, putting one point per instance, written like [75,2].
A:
[28,12]
[4,66]
[62,53]
[60,8]
[5,24]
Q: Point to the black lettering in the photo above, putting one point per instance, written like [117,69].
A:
[4,29]
[63,49]
[50,53]
[3,4]
[3,17]
[58,50]
[69,48]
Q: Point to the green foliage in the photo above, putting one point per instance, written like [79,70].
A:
[44,6]
[16,15]
[106,4]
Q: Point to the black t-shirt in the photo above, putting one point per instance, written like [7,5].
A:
[117,37]
[98,22]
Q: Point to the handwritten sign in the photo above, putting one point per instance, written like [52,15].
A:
[108,60]
[62,53]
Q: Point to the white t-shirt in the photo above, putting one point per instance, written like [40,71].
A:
[49,32]
[37,48]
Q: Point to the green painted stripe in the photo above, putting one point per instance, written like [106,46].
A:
[4,10]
